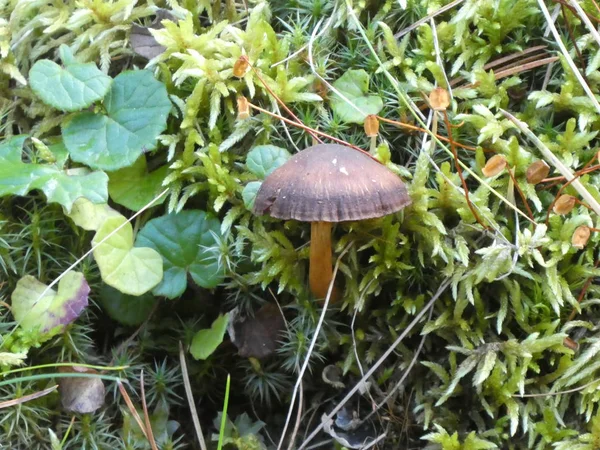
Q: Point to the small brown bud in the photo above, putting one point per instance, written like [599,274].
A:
[570,343]
[564,204]
[537,171]
[439,99]
[240,67]
[581,236]
[494,166]
[371,125]
[243,108]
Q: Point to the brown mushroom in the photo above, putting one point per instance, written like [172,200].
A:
[329,183]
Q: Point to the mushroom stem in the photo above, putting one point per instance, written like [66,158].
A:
[320,271]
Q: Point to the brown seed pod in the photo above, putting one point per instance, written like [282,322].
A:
[240,67]
[243,108]
[537,171]
[371,125]
[581,236]
[439,99]
[564,204]
[494,166]
[570,343]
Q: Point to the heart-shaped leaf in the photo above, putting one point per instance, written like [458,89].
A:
[264,159]
[131,270]
[137,107]
[72,88]
[126,309]
[133,187]
[206,341]
[90,216]
[56,309]
[354,85]
[187,244]
[60,186]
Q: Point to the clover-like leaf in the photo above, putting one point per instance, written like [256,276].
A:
[90,216]
[354,85]
[137,107]
[264,159]
[206,341]
[133,187]
[72,88]
[52,312]
[126,309]
[131,270]
[60,186]
[187,243]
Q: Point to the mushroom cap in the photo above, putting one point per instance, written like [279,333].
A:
[331,183]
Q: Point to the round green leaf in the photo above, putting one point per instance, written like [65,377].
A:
[354,85]
[264,159]
[187,244]
[206,341]
[72,88]
[249,194]
[133,187]
[133,271]
[137,107]
[129,310]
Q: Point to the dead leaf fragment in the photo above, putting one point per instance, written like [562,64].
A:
[256,337]
[141,39]
[81,395]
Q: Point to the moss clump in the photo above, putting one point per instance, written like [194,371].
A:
[486,366]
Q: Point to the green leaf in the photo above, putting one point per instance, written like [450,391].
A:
[133,271]
[128,310]
[137,107]
[90,216]
[354,85]
[264,159]
[52,312]
[249,193]
[60,186]
[187,243]
[72,88]
[133,187]
[206,341]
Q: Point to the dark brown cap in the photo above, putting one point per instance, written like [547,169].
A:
[331,183]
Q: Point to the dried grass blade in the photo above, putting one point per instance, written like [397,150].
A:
[567,57]
[27,398]
[190,398]
[557,163]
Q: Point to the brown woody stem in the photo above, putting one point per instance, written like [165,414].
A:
[320,271]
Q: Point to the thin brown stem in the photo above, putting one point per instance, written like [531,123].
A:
[320,270]
[459,170]
[584,290]
[422,130]
[521,194]
[281,102]
[586,169]
[304,127]
[570,31]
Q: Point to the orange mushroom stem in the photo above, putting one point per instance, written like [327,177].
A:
[320,271]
